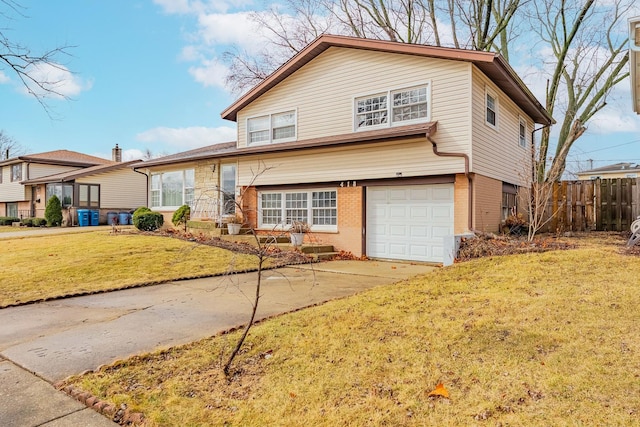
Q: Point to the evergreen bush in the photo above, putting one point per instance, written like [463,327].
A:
[148,221]
[181,216]
[53,211]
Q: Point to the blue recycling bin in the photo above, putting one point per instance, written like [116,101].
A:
[112,218]
[95,217]
[83,217]
[124,218]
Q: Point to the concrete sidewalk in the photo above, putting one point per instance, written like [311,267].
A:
[60,338]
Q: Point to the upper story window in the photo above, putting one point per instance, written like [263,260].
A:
[16,172]
[522,134]
[491,104]
[395,107]
[280,127]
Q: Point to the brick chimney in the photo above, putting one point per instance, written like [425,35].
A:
[116,154]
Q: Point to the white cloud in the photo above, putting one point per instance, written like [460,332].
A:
[228,29]
[210,73]
[614,120]
[187,138]
[184,7]
[57,79]
[4,78]
[132,154]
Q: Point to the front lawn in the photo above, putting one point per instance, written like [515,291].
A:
[529,339]
[51,266]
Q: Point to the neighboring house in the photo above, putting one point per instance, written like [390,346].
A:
[634,61]
[382,147]
[80,181]
[618,170]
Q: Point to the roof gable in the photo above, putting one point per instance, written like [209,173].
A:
[491,64]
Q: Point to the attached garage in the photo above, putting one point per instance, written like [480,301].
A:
[408,222]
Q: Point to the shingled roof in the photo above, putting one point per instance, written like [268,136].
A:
[60,157]
[491,64]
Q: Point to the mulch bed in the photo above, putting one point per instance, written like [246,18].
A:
[489,244]
[281,257]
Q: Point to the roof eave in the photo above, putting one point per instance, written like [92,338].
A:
[484,60]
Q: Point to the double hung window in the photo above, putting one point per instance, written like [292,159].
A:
[394,107]
[16,172]
[522,133]
[318,208]
[491,107]
[272,128]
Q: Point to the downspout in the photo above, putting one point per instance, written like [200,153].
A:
[146,176]
[466,173]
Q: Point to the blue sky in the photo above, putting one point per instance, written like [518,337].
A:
[147,75]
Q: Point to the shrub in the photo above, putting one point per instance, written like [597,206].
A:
[141,210]
[27,222]
[38,222]
[8,220]
[181,215]
[53,211]
[148,221]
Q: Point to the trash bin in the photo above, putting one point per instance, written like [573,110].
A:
[95,217]
[112,218]
[83,217]
[123,218]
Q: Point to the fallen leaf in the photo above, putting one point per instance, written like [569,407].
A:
[440,391]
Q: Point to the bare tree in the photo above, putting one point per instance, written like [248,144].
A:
[588,57]
[582,44]
[26,65]
[265,251]
[9,147]
[476,24]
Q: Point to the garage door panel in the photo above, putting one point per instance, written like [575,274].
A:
[442,213]
[409,222]
[398,230]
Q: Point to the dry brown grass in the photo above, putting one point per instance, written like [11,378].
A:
[51,266]
[530,339]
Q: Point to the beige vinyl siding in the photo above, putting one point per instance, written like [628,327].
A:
[12,191]
[496,151]
[412,157]
[37,170]
[119,189]
[322,92]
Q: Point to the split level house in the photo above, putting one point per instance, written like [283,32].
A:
[382,148]
[79,180]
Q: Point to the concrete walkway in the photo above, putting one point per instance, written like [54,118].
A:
[60,338]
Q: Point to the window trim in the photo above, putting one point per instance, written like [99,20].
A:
[62,186]
[389,107]
[161,206]
[283,207]
[223,207]
[522,139]
[496,107]
[13,178]
[76,195]
[271,140]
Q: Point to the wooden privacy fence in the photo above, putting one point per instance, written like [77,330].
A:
[600,204]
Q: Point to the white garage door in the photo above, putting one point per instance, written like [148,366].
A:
[408,222]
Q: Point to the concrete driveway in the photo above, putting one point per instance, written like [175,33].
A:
[69,336]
